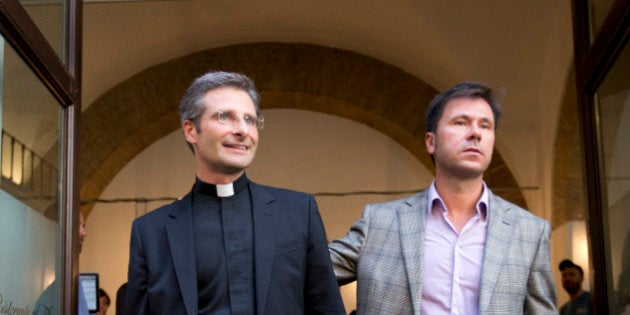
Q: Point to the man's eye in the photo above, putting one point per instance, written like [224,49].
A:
[224,116]
[249,120]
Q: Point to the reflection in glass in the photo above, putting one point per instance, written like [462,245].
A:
[613,99]
[30,225]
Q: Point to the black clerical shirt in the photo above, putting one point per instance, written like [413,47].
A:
[224,249]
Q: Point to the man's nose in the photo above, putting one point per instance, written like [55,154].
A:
[474,132]
[240,126]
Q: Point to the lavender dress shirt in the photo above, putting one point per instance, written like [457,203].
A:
[453,261]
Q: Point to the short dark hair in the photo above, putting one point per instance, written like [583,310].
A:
[567,263]
[467,89]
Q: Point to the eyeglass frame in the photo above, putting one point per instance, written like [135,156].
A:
[251,121]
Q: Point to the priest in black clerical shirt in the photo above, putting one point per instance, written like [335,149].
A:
[230,246]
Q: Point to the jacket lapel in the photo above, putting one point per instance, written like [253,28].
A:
[500,227]
[411,219]
[265,242]
[181,241]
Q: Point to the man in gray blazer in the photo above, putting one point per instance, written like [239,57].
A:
[455,248]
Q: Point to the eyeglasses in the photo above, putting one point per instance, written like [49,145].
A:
[229,117]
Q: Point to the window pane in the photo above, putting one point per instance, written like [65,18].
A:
[29,190]
[613,101]
[48,16]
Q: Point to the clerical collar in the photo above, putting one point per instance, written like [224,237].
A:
[226,190]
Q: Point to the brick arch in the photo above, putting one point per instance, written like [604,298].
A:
[568,201]
[142,109]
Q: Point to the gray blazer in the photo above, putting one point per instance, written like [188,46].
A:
[383,251]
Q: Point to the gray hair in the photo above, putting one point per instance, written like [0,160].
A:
[192,107]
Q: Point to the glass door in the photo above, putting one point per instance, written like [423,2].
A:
[612,101]
[30,229]
[39,106]
[602,62]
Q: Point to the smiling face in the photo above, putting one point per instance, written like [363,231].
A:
[223,149]
[463,143]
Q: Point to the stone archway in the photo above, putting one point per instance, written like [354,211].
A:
[142,109]
[568,199]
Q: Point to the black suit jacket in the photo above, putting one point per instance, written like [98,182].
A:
[293,272]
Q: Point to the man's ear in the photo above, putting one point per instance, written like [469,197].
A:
[429,142]
[190,131]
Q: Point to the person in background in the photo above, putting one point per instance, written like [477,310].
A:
[46,302]
[572,278]
[82,308]
[230,246]
[455,248]
[103,302]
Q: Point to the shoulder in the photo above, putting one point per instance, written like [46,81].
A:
[287,205]
[420,197]
[389,208]
[514,213]
[278,192]
[585,297]
[163,212]
[564,308]
[498,203]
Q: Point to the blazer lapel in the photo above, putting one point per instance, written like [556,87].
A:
[411,220]
[181,241]
[265,242]
[500,227]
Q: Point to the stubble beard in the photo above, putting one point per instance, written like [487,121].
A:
[572,288]
[461,171]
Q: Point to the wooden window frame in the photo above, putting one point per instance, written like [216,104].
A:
[62,78]
[592,64]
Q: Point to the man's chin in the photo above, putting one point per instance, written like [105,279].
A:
[572,291]
[235,168]
[239,165]
[470,172]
